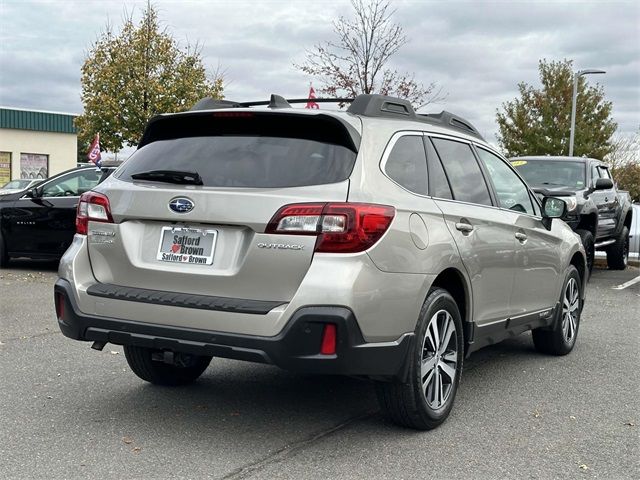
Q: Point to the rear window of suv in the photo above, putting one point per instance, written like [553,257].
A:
[261,151]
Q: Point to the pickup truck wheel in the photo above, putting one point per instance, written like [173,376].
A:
[424,402]
[589,247]
[145,364]
[4,256]
[560,338]
[618,252]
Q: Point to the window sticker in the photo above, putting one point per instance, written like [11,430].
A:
[518,163]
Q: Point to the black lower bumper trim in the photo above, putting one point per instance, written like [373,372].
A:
[184,300]
[296,348]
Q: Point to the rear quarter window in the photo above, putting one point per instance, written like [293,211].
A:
[406,164]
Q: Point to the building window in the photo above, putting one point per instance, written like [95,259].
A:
[5,168]
[34,165]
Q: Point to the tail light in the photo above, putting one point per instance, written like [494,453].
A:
[93,207]
[340,227]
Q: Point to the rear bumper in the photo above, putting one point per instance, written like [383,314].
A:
[295,348]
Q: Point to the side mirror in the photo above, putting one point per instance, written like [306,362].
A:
[603,184]
[33,193]
[552,208]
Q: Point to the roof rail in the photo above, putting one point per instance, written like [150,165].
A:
[276,101]
[368,105]
[371,105]
[210,103]
[448,119]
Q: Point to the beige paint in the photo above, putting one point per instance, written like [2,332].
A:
[61,148]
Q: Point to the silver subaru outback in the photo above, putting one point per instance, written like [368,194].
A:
[374,242]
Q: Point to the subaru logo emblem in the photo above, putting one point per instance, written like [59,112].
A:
[181,205]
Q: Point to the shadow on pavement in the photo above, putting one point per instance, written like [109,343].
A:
[33,265]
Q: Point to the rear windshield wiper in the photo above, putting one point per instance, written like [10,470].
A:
[170,176]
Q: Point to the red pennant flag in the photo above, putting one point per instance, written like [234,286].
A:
[94,151]
[312,97]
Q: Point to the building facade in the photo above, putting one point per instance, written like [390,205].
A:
[35,144]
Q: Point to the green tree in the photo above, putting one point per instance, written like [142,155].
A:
[135,74]
[538,122]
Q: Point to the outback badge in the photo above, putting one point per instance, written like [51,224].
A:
[181,205]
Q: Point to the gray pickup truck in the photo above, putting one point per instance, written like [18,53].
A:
[596,210]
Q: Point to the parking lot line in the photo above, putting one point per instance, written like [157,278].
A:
[624,285]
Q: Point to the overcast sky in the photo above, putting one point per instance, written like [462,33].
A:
[477,51]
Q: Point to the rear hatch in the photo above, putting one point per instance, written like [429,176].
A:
[197,227]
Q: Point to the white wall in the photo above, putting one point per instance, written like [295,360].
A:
[61,148]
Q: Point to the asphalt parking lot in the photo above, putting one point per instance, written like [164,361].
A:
[67,411]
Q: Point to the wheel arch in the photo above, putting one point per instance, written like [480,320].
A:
[579,261]
[454,281]
[627,219]
[589,221]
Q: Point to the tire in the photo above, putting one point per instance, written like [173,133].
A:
[141,361]
[560,338]
[408,404]
[589,247]
[4,256]
[618,252]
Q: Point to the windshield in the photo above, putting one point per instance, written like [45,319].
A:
[16,184]
[552,172]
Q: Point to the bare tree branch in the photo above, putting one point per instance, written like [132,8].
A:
[356,60]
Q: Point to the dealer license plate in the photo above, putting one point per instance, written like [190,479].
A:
[187,245]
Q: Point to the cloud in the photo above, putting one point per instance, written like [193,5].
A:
[477,51]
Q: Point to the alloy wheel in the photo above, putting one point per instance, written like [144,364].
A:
[570,310]
[439,359]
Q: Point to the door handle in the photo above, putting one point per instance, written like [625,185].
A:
[522,237]
[606,199]
[464,227]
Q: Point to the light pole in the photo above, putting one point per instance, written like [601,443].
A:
[577,75]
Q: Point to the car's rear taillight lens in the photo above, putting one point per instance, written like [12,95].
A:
[340,227]
[92,206]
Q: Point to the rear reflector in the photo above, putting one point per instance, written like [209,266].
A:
[59,301]
[340,227]
[92,206]
[328,346]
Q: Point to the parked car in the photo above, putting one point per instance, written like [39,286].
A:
[40,222]
[597,211]
[374,242]
[634,233]
[18,185]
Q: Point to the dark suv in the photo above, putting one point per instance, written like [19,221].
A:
[596,210]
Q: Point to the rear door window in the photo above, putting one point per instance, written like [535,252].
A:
[407,164]
[463,171]
[438,183]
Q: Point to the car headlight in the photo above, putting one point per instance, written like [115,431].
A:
[571,202]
